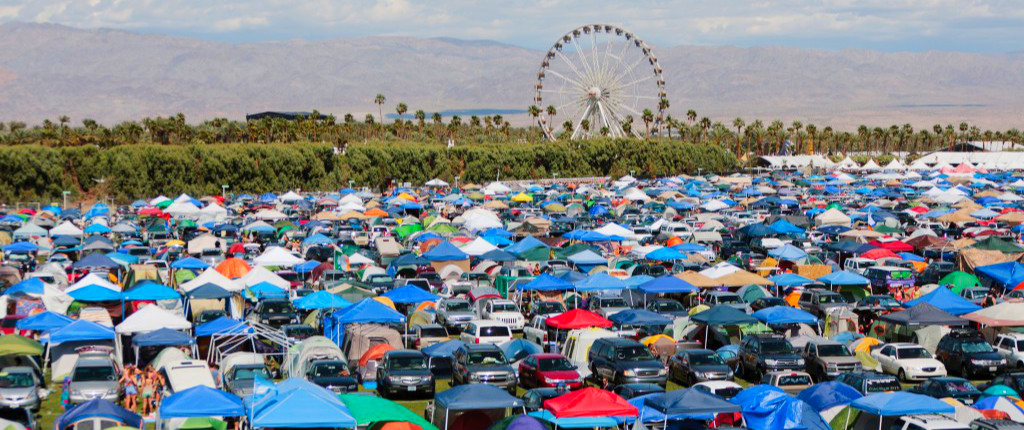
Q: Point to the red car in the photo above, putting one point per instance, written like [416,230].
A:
[9,325]
[548,370]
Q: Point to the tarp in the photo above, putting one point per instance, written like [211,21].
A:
[946,300]
[590,402]
[476,396]
[723,315]
[43,321]
[149,290]
[223,326]
[901,403]
[201,401]
[98,408]
[768,408]
[639,317]
[81,330]
[367,311]
[844,278]
[372,409]
[321,300]
[784,315]
[666,284]
[410,294]
[445,251]
[689,401]
[924,314]
[829,394]
[600,281]
[163,337]
[577,318]
[300,404]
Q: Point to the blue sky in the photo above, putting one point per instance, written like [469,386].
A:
[888,25]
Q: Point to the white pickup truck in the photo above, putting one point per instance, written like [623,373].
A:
[501,310]
[537,330]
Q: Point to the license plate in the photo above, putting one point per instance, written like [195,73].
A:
[992,368]
[411,388]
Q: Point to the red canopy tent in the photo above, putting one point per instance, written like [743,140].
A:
[879,253]
[590,402]
[893,245]
[577,318]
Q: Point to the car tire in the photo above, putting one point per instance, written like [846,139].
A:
[901,375]
[964,371]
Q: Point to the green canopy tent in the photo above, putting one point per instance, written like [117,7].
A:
[403,231]
[574,249]
[13,344]
[371,409]
[203,423]
[959,280]
[992,243]
[539,253]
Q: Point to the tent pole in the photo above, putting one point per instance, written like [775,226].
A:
[879,422]
[848,412]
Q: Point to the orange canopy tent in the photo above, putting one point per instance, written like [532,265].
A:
[233,268]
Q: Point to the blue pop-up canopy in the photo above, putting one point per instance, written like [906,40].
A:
[95,293]
[409,294]
[162,337]
[368,311]
[476,396]
[790,280]
[43,321]
[528,243]
[1008,274]
[843,278]
[189,263]
[445,251]
[901,403]
[96,260]
[223,326]
[667,284]
[784,315]
[600,281]
[28,286]
[201,401]
[98,408]
[443,349]
[723,315]
[639,317]
[689,401]
[829,394]
[300,406]
[81,330]
[321,300]
[788,252]
[149,290]
[946,300]
[546,282]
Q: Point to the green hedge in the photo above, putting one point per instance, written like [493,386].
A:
[38,173]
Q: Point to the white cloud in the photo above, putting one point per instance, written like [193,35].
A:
[976,25]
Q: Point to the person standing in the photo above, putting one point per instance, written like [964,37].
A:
[131,389]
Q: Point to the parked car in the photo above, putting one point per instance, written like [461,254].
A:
[723,389]
[8,325]
[20,388]
[867,382]
[94,376]
[969,353]
[184,374]
[767,302]
[425,335]
[935,271]
[908,361]
[404,372]
[958,388]
[333,375]
[548,370]
[1010,346]
[629,391]
[501,311]
[275,313]
[975,295]
[546,309]
[926,422]
[298,332]
[486,364]
[484,331]
[689,367]
[607,306]
[537,331]
[764,353]
[624,361]
[790,382]
[1014,380]
[454,314]
[239,371]
[209,315]
[668,307]
[817,302]
[989,424]
[827,359]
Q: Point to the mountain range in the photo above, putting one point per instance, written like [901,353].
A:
[49,70]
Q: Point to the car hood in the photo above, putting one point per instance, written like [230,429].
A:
[458,314]
[17,392]
[985,356]
[411,372]
[334,381]
[841,360]
[93,386]
[716,368]
[507,314]
[780,356]
[921,362]
[641,364]
[560,374]
[479,368]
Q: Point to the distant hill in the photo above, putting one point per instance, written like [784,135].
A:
[48,70]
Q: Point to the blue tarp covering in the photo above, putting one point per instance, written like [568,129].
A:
[528,243]
[829,394]
[95,293]
[901,403]
[98,408]
[443,349]
[639,317]
[43,321]
[768,408]
[201,401]
[295,405]
[149,290]
[28,286]
[667,284]
[843,278]
[946,300]
[518,349]
[81,330]
[189,263]
[546,282]
[1008,274]
[321,300]
[600,281]
[476,396]
[95,260]
[223,325]
[445,251]
[723,315]
[665,254]
[785,227]
[410,294]
[790,280]
[689,401]
[788,252]
[784,315]
[162,337]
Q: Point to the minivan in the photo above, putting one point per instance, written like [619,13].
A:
[885,279]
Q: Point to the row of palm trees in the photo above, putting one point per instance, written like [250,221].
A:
[742,138]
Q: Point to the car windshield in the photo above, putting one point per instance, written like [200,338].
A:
[329,370]
[633,353]
[830,298]
[301,332]
[549,307]
[433,332]
[615,302]
[495,331]
[705,359]
[1020,345]
[15,380]
[277,308]
[407,362]
[833,351]
[794,380]
[8,322]
[882,385]
[94,373]
[668,306]
[958,387]
[728,393]
[486,357]
[776,346]
[728,299]
[252,373]
[888,302]
[909,353]
[554,364]
[505,307]
[456,306]
[976,346]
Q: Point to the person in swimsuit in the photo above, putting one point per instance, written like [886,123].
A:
[131,389]
[147,391]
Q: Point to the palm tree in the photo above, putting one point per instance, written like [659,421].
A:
[436,117]
[534,112]
[827,132]
[647,117]
[669,123]
[453,125]
[812,130]
[567,128]
[420,118]
[963,130]
[705,125]
[739,124]
[797,125]
[379,100]
[401,109]
[585,126]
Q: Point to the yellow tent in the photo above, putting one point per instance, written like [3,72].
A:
[385,301]
[522,198]
[649,340]
[698,309]
[864,344]
[408,197]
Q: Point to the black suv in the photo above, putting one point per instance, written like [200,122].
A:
[404,371]
[483,363]
[625,361]
[935,271]
[870,382]
[275,312]
[765,353]
[969,354]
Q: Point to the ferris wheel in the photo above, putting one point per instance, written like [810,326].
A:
[598,80]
